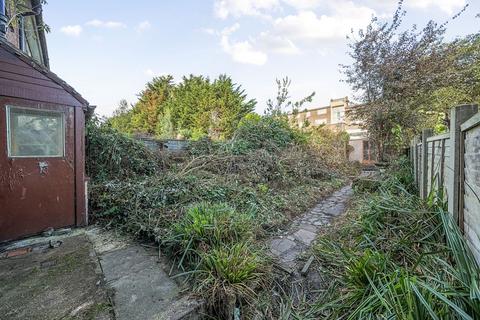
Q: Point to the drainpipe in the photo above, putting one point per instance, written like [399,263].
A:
[3,20]
[21,33]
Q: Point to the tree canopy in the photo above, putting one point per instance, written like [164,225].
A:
[193,108]
[407,79]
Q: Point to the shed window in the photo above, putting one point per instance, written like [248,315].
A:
[35,133]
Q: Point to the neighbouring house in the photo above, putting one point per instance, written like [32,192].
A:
[42,122]
[334,116]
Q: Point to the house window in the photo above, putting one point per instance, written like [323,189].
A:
[338,115]
[35,133]
[321,111]
[308,114]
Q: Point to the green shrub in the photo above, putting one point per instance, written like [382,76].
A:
[271,133]
[112,155]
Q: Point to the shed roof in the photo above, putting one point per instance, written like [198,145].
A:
[27,61]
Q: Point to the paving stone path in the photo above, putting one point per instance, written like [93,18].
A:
[288,247]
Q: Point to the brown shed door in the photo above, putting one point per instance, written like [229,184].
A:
[36,168]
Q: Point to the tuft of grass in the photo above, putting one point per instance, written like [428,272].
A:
[229,276]
[204,227]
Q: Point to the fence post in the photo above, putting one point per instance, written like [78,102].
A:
[415,160]
[458,115]
[426,133]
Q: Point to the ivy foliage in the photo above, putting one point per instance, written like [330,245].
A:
[113,155]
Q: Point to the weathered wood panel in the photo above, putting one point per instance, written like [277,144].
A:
[471,200]
[19,79]
[447,172]
[429,166]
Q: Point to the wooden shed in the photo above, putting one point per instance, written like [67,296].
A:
[42,153]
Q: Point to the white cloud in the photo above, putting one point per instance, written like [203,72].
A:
[307,25]
[241,51]
[143,26]
[448,6]
[105,24]
[71,30]
[225,8]
[304,4]
[276,44]
[149,72]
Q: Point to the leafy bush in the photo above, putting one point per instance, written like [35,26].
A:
[112,155]
[269,133]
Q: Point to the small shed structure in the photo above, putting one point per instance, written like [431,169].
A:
[42,149]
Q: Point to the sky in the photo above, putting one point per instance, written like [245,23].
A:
[109,49]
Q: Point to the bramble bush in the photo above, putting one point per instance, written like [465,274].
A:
[112,155]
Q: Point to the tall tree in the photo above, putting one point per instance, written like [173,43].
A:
[193,108]
[122,117]
[394,74]
[150,105]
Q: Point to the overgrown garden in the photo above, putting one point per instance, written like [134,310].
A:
[211,207]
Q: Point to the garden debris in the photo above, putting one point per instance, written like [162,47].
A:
[306,266]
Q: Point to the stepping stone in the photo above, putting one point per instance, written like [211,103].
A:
[142,289]
[140,286]
[308,227]
[303,230]
[336,210]
[279,246]
[305,236]
[290,255]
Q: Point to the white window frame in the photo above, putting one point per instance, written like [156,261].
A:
[320,121]
[8,110]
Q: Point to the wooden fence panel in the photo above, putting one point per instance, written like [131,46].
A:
[447,171]
[452,162]
[430,165]
[471,184]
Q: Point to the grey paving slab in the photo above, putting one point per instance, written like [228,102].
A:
[141,288]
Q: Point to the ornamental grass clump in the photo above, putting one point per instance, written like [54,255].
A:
[215,247]
[204,227]
[230,276]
